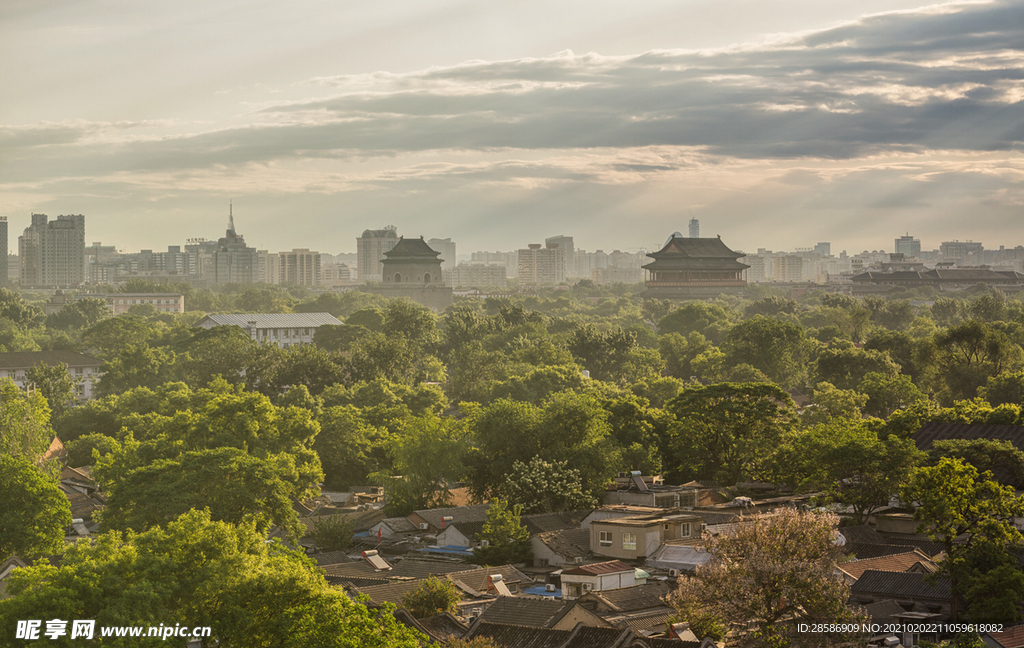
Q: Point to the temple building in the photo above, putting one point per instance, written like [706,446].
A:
[412,269]
[693,268]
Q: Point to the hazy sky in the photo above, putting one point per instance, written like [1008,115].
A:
[778,124]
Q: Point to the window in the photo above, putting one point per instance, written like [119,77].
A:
[684,530]
[629,541]
[606,539]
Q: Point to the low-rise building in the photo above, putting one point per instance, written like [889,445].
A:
[83,369]
[162,302]
[282,329]
[599,576]
[639,537]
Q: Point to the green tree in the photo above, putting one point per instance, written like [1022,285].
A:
[55,384]
[110,336]
[137,365]
[250,592]
[770,306]
[893,314]
[887,394]
[345,446]
[1001,458]
[772,574]
[35,512]
[947,311]
[710,320]
[967,355]
[13,307]
[1004,388]
[429,454]
[953,500]
[225,351]
[332,533]
[846,366]
[24,423]
[433,596]
[724,432]
[679,353]
[339,338]
[80,451]
[233,485]
[543,487]
[508,540]
[828,402]
[79,315]
[771,346]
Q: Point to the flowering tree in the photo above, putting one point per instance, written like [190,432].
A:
[772,574]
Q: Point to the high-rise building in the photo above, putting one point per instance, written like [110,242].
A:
[565,244]
[908,246]
[964,253]
[53,252]
[370,249]
[694,228]
[824,248]
[300,267]
[233,260]
[789,267]
[447,249]
[3,246]
[541,266]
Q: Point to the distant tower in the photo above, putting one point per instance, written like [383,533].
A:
[694,228]
[3,249]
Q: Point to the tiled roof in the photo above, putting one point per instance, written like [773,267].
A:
[895,562]
[610,567]
[567,543]
[411,247]
[476,579]
[537,613]
[330,558]
[862,551]
[638,597]
[391,592]
[474,513]
[652,621]
[590,637]
[399,524]
[471,530]
[356,568]
[930,548]
[717,517]
[418,568]
[272,320]
[541,522]
[900,585]
[82,506]
[361,520]
[1011,637]
[29,359]
[444,626]
[517,636]
[861,533]
[882,612]
[934,431]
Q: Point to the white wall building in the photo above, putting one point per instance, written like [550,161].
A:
[283,329]
[85,370]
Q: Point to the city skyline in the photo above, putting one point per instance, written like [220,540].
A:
[777,130]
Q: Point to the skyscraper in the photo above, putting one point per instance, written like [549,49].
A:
[446,247]
[908,246]
[53,252]
[565,244]
[370,249]
[694,228]
[233,260]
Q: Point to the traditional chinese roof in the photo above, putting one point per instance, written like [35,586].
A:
[901,562]
[537,613]
[901,585]
[631,599]
[934,431]
[610,567]
[1011,637]
[567,543]
[411,250]
[695,254]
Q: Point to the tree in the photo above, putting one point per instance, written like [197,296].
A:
[604,354]
[946,311]
[967,355]
[250,592]
[710,320]
[769,345]
[137,365]
[13,307]
[770,306]
[1001,458]
[952,500]
[24,424]
[1004,388]
[724,432]
[679,353]
[543,487]
[508,540]
[234,486]
[79,315]
[109,336]
[35,513]
[56,385]
[776,571]
[332,533]
[433,596]
[846,366]
[345,446]
[886,393]
[829,402]
[339,338]
[847,460]
[80,451]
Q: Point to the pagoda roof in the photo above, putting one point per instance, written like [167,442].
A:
[410,249]
[690,248]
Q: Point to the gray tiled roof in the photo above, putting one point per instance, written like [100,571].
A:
[638,597]
[416,568]
[900,585]
[476,579]
[934,431]
[29,359]
[517,636]
[389,593]
[861,533]
[272,320]
[472,513]
[882,612]
[567,543]
[536,613]
[540,522]
[444,626]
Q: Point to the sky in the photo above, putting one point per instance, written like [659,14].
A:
[777,124]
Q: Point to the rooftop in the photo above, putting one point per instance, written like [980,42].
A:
[610,567]
[29,359]
[272,320]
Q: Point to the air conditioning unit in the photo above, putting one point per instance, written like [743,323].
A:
[578,560]
[673,573]
[424,525]
[550,587]
[485,543]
